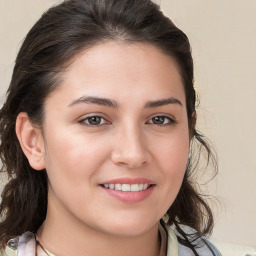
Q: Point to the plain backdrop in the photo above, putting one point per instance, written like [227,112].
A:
[223,39]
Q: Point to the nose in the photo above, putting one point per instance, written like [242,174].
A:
[130,149]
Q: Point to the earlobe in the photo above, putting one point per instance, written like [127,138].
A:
[31,141]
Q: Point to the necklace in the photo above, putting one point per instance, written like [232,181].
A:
[38,243]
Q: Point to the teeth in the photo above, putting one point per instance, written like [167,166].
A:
[134,187]
[111,186]
[117,186]
[127,187]
[141,186]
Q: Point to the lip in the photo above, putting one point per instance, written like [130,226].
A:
[127,180]
[129,197]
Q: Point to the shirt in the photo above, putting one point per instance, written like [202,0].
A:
[171,244]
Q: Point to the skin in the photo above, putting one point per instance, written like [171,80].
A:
[128,142]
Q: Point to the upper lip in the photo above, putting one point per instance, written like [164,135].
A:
[127,180]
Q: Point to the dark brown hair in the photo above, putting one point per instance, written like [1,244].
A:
[59,35]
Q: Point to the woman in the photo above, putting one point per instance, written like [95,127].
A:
[96,136]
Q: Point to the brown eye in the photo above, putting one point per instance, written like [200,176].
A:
[93,121]
[161,120]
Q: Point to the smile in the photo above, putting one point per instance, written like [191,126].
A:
[127,187]
[129,190]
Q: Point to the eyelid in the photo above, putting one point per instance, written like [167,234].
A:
[86,117]
[171,118]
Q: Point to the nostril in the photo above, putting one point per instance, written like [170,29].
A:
[131,155]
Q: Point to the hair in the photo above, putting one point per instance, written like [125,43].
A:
[58,36]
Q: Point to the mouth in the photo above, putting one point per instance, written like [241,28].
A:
[128,187]
[129,190]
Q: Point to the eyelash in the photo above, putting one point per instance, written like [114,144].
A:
[83,121]
[170,121]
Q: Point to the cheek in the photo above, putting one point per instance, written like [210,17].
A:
[172,156]
[72,158]
[173,152]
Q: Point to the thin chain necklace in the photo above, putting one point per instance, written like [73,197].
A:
[38,243]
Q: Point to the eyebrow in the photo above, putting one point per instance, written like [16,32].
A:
[162,102]
[114,104]
[95,100]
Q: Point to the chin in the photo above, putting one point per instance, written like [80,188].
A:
[131,227]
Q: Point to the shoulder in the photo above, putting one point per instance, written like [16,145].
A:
[25,244]
[7,252]
[2,253]
[192,244]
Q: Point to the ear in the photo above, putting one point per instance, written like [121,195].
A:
[31,141]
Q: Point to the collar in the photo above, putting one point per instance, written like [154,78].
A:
[27,244]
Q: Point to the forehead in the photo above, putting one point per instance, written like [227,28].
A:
[117,69]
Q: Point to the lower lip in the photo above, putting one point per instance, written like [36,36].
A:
[130,197]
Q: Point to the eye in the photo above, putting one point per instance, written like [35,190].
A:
[93,121]
[162,120]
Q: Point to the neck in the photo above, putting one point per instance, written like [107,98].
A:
[63,234]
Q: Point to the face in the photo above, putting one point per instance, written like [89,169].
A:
[116,138]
